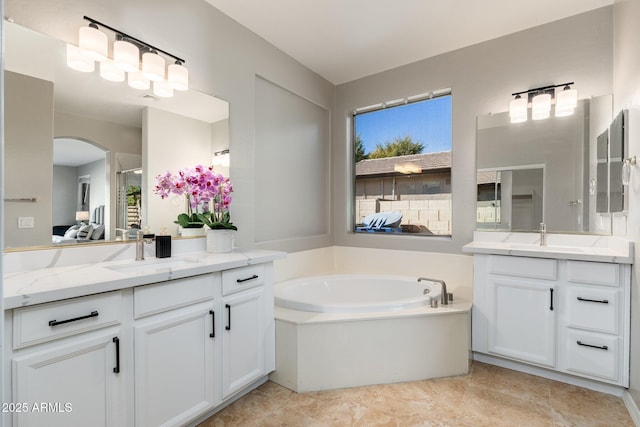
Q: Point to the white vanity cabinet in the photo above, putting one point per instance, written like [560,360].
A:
[155,353]
[566,315]
[249,329]
[177,350]
[67,365]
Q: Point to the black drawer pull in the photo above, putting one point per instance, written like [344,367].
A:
[601,301]
[604,347]
[255,276]
[56,323]
[228,307]
[551,299]
[116,370]
[213,323]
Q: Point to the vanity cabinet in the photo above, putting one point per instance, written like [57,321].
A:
[165,353]
[566,315]
[248,327]
[67,365]
[177,355]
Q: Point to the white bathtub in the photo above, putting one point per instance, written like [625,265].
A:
[353,330]
[355,294]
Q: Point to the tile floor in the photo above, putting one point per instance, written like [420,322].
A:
[488,396]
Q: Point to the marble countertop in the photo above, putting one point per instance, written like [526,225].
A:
[580,247]
[56,283]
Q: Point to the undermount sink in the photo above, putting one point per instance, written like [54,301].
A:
[153,265]
[550,248]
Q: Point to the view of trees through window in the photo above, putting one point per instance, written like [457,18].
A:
[402,160]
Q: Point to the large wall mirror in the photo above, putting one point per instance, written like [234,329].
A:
[546,171]
[80,149]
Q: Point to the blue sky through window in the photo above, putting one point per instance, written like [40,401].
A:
[427,122]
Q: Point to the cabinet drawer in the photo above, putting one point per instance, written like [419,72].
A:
[242,278]
[54,320]
[593,308]
[536,268]
[597,273]
[159,297]
[593,354]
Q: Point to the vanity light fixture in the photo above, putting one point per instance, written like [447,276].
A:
[541,99]
[94,46]
[78,61]
[221,158]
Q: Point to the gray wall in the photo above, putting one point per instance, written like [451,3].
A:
[626,94]
[98,192]
[28,111]
[482,78]
[65,194]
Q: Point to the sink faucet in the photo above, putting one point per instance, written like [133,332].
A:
[140,241]
[444,296]
[543,234]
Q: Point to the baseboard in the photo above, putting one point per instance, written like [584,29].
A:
[552,375]
[634,412]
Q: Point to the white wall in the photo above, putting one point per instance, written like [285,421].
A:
[482,78]
[626,94]
[165,137]
[65,195]
[28,111]
[98,191]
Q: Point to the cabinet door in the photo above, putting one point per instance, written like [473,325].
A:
[243,340]
[522,319]
[73,384]
[174,366]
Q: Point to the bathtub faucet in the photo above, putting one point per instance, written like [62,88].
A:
[444,299]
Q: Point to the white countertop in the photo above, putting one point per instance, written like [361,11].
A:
[581,247]
[51,284]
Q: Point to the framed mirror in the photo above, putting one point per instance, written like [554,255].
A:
[541,171]
[50,186]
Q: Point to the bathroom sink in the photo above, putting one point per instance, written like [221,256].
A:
[550,248]
[153,265]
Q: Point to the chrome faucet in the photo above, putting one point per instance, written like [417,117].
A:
[543,234]
[140,241]
[444,296]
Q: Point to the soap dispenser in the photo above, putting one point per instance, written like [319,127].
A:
[163,244]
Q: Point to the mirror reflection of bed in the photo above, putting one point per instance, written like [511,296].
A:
[80,189]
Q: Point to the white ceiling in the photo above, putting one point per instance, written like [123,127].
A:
[343,40]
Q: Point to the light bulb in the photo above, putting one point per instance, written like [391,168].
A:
[153,66]
[541,106]
[138,81]
[178,76]
[78,61]
[518,109]
[126,56]
[93,43]
[108,71]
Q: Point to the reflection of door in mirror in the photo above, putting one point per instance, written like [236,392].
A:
[129,204]
[510,199]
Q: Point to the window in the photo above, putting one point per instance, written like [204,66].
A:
[402,156]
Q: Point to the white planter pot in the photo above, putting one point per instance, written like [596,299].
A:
[192,232]
[220,241]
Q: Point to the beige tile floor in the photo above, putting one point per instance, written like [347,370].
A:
[488,396]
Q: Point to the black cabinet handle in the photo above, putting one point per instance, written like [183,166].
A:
[116,370]
[603,347]
[61,322]
[255,276]
[213,323]
[601,301]
[228,307]
[551,299]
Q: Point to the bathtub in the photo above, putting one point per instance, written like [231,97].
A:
[355,294]
[342,331]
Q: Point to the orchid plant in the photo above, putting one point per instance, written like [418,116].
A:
[203,189]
